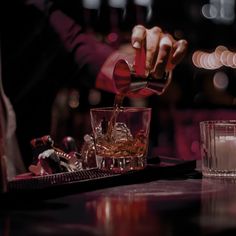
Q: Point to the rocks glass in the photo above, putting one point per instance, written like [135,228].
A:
[218,148]
[121,137]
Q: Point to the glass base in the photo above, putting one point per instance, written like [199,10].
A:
[219,173]
[121,164]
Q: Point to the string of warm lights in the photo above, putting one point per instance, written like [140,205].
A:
[221,56]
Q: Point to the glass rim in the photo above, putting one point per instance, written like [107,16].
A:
[129,109]
[218,122]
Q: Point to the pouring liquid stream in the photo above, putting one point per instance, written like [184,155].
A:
[117,107]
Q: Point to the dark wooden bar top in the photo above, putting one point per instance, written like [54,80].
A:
[189,205]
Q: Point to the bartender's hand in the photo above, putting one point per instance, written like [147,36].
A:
[151,52]
[156,52]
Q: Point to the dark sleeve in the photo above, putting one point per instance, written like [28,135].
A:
[88,52]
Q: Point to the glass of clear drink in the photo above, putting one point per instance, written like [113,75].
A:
[121,137]
[218,148]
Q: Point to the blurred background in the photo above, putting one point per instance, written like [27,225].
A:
[203,87]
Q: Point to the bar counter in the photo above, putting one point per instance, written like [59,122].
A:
[184,205]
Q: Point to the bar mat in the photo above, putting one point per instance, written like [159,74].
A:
[86,180]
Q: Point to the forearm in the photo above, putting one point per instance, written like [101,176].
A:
[87,51]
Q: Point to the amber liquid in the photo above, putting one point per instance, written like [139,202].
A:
[117,154]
